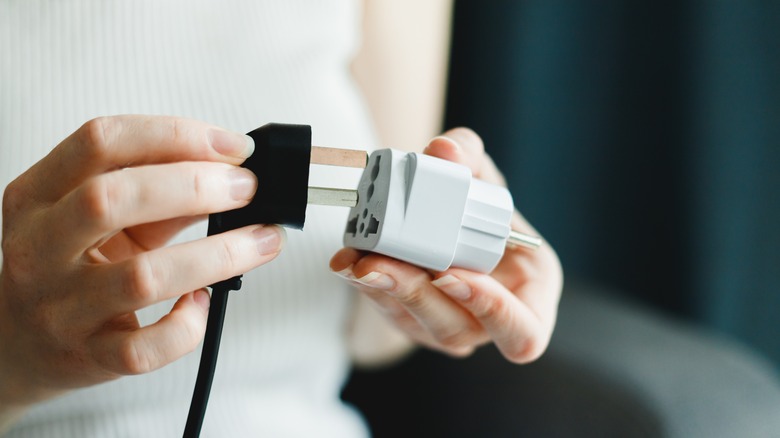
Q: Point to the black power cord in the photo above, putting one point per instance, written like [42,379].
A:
[208,360]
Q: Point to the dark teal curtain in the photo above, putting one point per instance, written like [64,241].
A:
[643,140]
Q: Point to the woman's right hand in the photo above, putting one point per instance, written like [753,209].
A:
[82,242]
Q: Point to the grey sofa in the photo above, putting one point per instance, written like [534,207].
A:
[613,369]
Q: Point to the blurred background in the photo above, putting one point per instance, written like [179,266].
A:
[643,140]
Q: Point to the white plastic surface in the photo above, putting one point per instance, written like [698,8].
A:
[429,212]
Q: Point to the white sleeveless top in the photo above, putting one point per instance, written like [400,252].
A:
[238,64]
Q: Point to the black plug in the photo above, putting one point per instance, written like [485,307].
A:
[281,161]
[281,164]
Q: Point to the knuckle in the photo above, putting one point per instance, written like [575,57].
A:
[200,187]
[193,330]
[96,135]
[412,298]
[13,198]
[491,308]
[229,255]
[95,200]
[18,251]
[174,131]
[18,263]
[178,130]
[132,359]
[141,282]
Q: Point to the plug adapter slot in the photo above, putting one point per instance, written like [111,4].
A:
[366,219]
[375,169]
[352,226]
[373,226]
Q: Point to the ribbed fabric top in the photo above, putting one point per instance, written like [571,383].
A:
[238,64]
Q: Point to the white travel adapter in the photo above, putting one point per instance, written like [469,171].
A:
[431,213]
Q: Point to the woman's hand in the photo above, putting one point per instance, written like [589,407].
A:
[83,236]
[458,310]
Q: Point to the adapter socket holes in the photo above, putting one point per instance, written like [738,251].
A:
[373,226]
[374,175]
[362,223]
[375,169]
[352,226]
[356,226]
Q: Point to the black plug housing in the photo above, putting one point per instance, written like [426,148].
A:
[281,164]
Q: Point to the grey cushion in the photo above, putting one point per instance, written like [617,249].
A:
[612,370]
[695,383]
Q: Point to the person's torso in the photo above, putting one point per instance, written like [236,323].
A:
[237,64]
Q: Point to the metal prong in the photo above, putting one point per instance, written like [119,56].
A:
[335,197]
[339,157]
[517,238]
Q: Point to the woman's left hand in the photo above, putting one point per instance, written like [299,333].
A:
[457,310]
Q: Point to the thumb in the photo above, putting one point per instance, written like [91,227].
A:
[459,145]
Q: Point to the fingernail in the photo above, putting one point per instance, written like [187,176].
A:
[231,144]
[269,239]
[449,140]
[202,298]
[243,184]
[345,273]
[453,286]
[464,137]
[377,280]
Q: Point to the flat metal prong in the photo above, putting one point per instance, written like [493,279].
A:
[517,238]
[335,197]
[339,157]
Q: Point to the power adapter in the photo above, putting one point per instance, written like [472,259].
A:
[417,208]
[431,213]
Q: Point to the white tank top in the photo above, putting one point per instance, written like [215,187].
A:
[238,64]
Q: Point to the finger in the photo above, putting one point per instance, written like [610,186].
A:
[534,276]
[168,272]
[464,146]
[109,143]
[518,331]
[451,326]
[401,318]
[144,237]
[116,200]
[345,258]
[416,331]
[460,145]
[342,263]
[156,234]
[139,351]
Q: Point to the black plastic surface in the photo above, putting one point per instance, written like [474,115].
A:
[281,164]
